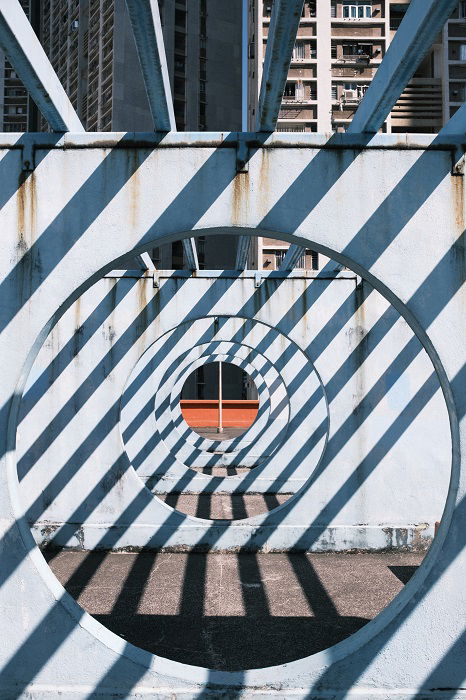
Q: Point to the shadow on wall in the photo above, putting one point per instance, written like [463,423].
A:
[33,654]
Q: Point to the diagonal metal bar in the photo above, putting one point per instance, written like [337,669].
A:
[22,47]
[190,254]
[291,258]
[242,252]
[283,29]
[144,260]
[147,29]
[424,19]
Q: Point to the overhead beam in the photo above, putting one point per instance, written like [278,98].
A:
[190,254]
[147,29]
[424,19]
[22,47]
[281,39]
[242,252]
[291,258]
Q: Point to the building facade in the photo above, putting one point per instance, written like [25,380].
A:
[91,47]
[339,47]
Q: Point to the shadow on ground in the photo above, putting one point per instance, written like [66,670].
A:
[233,611]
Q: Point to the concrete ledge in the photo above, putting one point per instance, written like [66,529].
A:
[231,536]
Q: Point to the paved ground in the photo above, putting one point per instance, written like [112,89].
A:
[230,611]
[222,506]
[228,433]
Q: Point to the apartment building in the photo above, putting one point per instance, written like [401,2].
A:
[91,47]
[17,111]
[339,47]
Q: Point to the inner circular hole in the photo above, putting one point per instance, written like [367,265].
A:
[219,401]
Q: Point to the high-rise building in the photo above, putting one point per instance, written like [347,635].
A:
[339,47]
[17,111]
[91,46]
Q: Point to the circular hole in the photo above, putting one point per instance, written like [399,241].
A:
[219,401]
[78,492]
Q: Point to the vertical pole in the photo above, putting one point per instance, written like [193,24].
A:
[220,411]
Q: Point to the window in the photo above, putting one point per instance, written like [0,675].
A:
[180,19]
[334,92]
[352,92]
[180,64]
[462,10]
[357,50]
[180,42]
[299,51]
[355,9]
[179,85]
[290,90]
[202,69]
[462,52]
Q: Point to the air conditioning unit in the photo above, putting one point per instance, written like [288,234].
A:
[350,96]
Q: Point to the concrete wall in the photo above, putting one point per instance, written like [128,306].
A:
[90,202]
[369,373]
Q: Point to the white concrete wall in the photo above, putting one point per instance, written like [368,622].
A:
[94,198]
[75,468]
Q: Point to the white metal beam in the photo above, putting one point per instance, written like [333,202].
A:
[190,253]
[144,260]
[242,252]
[22,47]
[424,19]
[291,258]
[281,39]
[147,29]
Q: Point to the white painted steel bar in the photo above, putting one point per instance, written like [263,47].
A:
[147,28]
[190,254]
[424,19]
[22,47]
[220,399]
[294,253]
[281,39]
[145,261]
[242,252]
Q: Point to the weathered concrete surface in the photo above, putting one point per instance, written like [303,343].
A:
[333,360]
[229,611]
[81,210]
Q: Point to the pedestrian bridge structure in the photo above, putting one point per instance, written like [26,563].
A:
[359,369]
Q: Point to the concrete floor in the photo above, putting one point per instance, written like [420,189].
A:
[233,611]
[212,434]
[224,506]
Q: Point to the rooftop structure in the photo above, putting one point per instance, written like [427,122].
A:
[89,439]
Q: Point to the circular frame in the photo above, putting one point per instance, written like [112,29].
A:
[282,673]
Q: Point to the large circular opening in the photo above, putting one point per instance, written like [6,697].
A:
[109,459]
[219,401]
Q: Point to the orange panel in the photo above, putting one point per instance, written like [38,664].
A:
[204,413]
